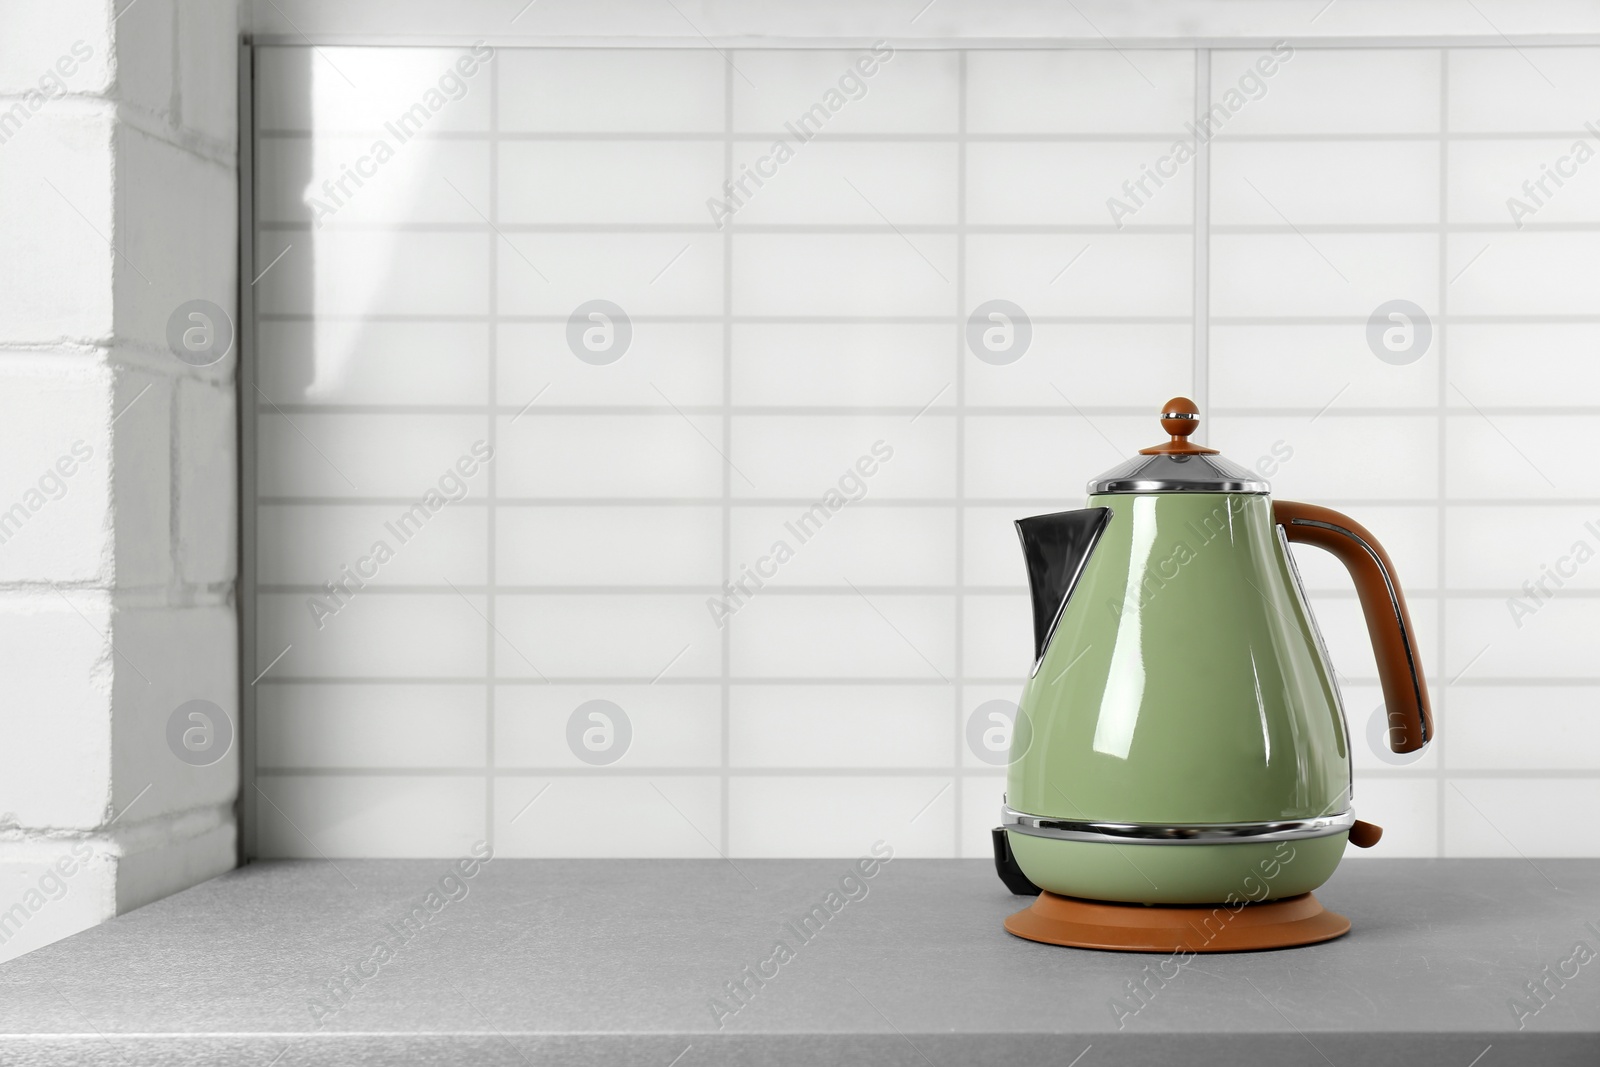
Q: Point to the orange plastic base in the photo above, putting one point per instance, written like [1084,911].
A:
[1055,920]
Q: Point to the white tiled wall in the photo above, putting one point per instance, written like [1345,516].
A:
[447,700]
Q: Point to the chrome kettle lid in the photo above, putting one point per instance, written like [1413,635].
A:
[1178,465]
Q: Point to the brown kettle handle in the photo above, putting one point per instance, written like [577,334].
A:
[1405,691]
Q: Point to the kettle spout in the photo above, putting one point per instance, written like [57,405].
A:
[1055,548]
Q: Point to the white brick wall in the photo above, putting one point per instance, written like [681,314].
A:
[118,465]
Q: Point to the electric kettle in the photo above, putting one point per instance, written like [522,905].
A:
[1180,774]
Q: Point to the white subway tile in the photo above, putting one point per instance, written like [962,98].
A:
[373,634]
[1523,89]
[878,546]
[991,552]
[1084,90]
[1520,456]
[1500,638]
[844,363]
[351,274]
[840,726]
[660,725]
[55,509]
[665,455]
[55,266]
[1520,181]
[340,361]
[166,657]
[981,799]
[58,771]
[979,704]
[1048,457]
[608,181]
[1334,457]
[1074,183]
[680,361]
[636,635]
[141,478]
[797,93]
[349,456]
[1083,275]
[1343,183]
[1318,367]
[1497,728]
[339,181]
[671,817]
[1328,90]
[843,636]
[861,274]
[1110,365]
[844,816]
[843,183]
[367,90]
[997,636]
[1322,273]
[398,817]
[310,544]
[812,456]
[634,90]
[1534,363]
[1408,811]
[1504,548]
[1533,274]
[370,726]
[1523,819]
[648,545]
[1349,642]
[205,488]
[643,273]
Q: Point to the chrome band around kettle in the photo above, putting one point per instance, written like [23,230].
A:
[1181,834]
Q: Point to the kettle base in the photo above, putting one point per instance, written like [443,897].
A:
[1193,928]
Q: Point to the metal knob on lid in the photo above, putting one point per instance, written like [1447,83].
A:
[1179,417]
[1178,465]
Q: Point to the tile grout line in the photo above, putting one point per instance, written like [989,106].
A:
[1440,614]
[246,375]
[1201,265]
[958,697]
[726,708]
[491,483]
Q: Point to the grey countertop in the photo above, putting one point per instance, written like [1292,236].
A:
[619,962]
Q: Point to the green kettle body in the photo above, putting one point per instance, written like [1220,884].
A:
[1181,739]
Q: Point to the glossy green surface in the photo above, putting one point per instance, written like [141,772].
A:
[1184,682]
[1178,874]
